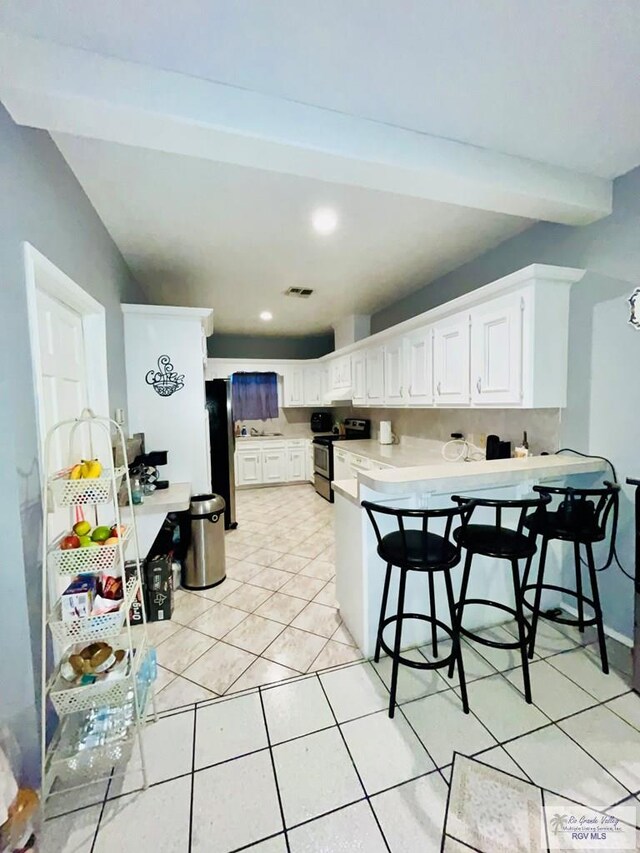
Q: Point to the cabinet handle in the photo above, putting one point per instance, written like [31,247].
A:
[410,391]
[401,390]
[479,385]
[438,387]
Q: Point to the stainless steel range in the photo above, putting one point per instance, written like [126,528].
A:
[354,428]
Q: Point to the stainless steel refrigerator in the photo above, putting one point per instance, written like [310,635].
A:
[223,444]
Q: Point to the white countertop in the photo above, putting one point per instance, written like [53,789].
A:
[242,438]
[174,499]
[456,476]
[398,455]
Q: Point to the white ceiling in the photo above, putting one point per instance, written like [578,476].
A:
[195,232]
[552,80]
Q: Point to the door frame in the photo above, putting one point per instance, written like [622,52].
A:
[42,275]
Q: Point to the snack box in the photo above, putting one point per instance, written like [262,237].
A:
[78,598]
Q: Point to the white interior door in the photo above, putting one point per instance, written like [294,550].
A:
[62,374]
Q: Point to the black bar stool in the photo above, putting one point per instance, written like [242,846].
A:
[419,550]
[502,543]
[581,518]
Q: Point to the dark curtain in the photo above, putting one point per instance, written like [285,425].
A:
[254,396]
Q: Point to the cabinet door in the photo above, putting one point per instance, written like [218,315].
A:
[297,464]
[393,373]
[419,367]
[341,466]
[375,376]
[274,468]
[451,361]
[358,375]
[294,386]
[496,352]
[249,467]
[312,386]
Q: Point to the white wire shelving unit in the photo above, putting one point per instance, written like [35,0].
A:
[95,726]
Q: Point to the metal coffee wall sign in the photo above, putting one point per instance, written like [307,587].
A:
[165,380]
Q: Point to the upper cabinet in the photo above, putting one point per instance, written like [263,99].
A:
[418,348]
[313,385]
[451,361]
[504,344]
[374,373]
[359,379]
[294,385]
[496,351]
[394,367]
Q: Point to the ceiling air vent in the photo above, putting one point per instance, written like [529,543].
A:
[299,292]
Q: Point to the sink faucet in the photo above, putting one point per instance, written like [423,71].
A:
[254,431]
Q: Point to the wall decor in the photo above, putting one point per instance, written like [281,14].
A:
[165,380]
[634,303]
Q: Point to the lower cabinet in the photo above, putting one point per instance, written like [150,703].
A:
[248,467]
[270,462]
[297,465]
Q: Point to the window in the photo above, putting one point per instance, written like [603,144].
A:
[254,396]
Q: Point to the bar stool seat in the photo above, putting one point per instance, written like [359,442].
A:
[555,524]
[418,551]
[491,541]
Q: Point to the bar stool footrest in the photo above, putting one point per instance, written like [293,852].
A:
[516,644]
[438,664]
[561,620]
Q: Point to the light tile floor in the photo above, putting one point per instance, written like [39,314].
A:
[274,617]
[306,759]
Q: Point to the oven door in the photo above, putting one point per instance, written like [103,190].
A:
[323,487]
[322,460]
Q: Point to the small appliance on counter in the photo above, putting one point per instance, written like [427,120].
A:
[385,435]
[321,422]
[144,470]
[354,428]
[497,449]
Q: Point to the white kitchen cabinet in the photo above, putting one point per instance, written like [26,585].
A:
[296,465]
[496,351]
[312,385]
[274,465]
[359,379]
[248,467]
[341,464]
[341,372]
[375,376]
[419,367]
[394,373]
[260,462]
[294,385]
[451,361]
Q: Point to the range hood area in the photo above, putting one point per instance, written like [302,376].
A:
[338,395]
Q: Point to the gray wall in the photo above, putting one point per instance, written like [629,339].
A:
[603,408]
[264,346]
[41,202]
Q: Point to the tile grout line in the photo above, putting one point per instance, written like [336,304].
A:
[357,772]
[193,768]
[273,767]
[99,821]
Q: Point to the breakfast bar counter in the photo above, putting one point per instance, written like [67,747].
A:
[360,571]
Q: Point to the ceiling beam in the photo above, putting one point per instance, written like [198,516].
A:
[65,90]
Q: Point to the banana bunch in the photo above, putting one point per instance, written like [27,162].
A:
[87,469]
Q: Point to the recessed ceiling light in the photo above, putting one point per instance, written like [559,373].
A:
[266,316]
[324,220]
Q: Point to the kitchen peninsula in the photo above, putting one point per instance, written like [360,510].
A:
[360,571]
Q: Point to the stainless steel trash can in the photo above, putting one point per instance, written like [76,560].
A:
[205,562]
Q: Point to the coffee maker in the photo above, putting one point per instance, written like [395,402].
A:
[145,466]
